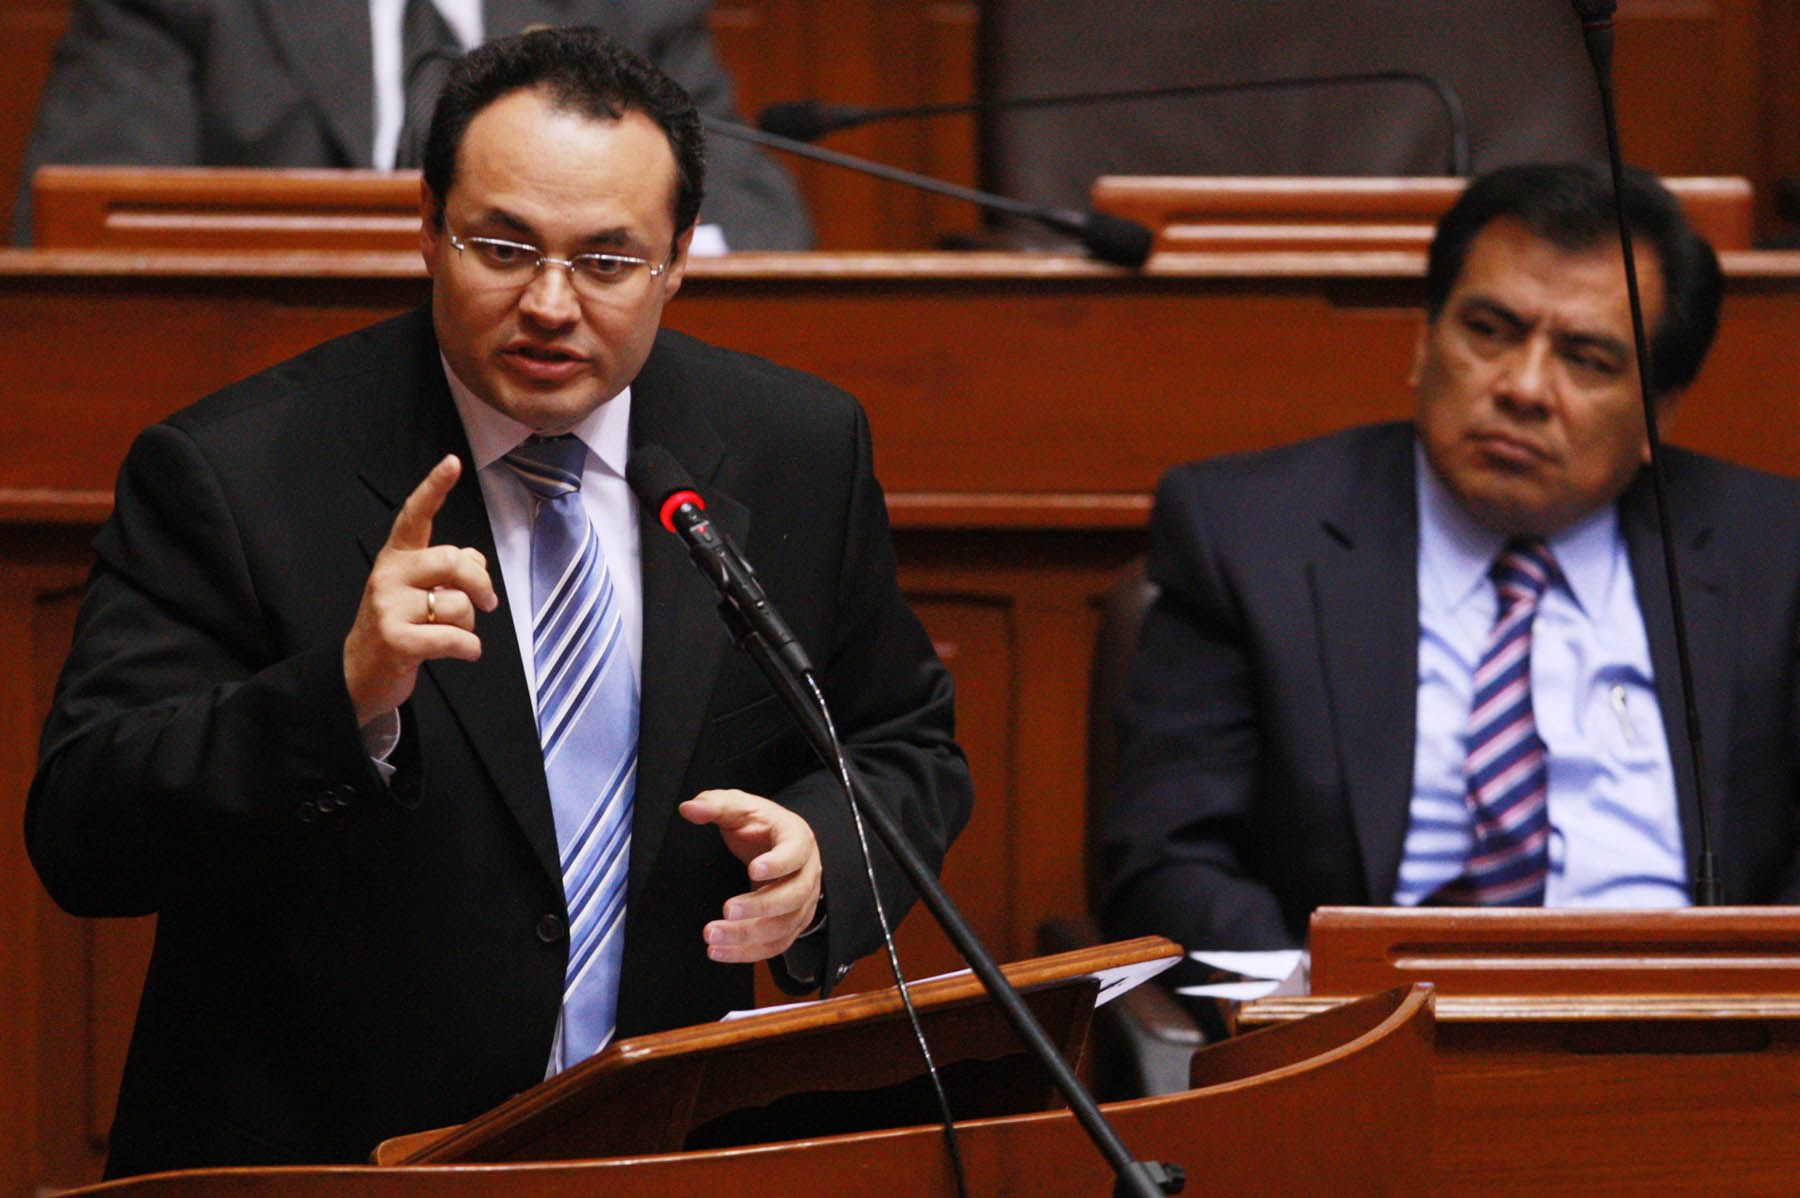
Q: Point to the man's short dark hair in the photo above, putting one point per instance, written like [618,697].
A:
[584,71]
[1570,205]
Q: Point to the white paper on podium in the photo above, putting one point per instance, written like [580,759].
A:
[1259,974]
[1113,982]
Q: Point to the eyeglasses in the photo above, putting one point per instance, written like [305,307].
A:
[516,262]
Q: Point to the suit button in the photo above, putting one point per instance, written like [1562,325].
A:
[406,791]
[550,928]
[339,796]
[307,812]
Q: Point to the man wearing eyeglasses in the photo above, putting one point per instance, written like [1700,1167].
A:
[331,712]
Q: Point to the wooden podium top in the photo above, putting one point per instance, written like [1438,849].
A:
[1312,213]
[222,208]
[1711,950]
[665,1092]
[218,208]
[1581,1052]
[1512,963]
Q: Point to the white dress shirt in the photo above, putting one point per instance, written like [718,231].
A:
[611,508]
[1615,834]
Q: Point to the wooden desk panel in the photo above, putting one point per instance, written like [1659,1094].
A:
[1004,390]
[1303,212]
[1602,1051]
[224,208]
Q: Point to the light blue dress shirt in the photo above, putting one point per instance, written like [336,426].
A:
[1615,835]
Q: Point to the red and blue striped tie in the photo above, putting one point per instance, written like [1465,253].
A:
[1506,774]
[587,715]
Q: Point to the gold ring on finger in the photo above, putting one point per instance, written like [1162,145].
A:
[431,607]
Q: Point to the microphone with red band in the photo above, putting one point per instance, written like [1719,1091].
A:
[661,483]
[1596,18]
[675,503]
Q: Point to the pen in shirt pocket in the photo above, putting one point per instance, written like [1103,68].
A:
[1622,709]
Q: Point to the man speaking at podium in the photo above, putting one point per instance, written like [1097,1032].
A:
[421,738]
[1432,662]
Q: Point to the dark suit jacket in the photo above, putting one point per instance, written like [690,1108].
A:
[1267,728]
[336,960]
[290,83]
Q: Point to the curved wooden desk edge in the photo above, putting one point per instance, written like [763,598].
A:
[1354,1116]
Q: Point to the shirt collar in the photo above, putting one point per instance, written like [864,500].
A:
[1454,547]
[606,431]
[1587,553]
[1458,549]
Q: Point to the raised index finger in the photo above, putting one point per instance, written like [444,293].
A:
[412,524]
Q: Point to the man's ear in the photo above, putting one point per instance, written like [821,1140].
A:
[431,230]
[1417,369]
[678,261]
[1665,408]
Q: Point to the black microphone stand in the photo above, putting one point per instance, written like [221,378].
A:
[1144,1179]
[810,119]
[1597,30]
[1113,239]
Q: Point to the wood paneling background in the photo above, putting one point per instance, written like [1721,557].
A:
[1705,87]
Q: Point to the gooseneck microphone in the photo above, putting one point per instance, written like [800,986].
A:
[1597,31]
[663,486]
[1109,238]
[809,120]
[1596,17]
[658,480]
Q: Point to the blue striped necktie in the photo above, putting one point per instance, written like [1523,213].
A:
[587,715]
[1506,772]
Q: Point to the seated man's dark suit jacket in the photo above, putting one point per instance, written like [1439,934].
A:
[291,83]
[338,960]
[1267,726]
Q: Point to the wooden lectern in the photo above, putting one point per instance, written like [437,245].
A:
[850,1064]
[1225,214]
[1339,1102]
[1590,1051]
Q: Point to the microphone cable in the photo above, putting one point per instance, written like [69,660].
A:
[842,766]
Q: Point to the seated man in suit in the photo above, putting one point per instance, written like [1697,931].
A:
[349,83]
[421,738]
[1433,662]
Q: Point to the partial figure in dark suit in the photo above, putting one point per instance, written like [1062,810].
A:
[317,84]
[1301,726]
[297,723]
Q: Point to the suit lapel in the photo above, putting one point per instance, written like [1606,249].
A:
[1706,609]
[684,638]
[326,45]
[488,698]
[1365,593]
